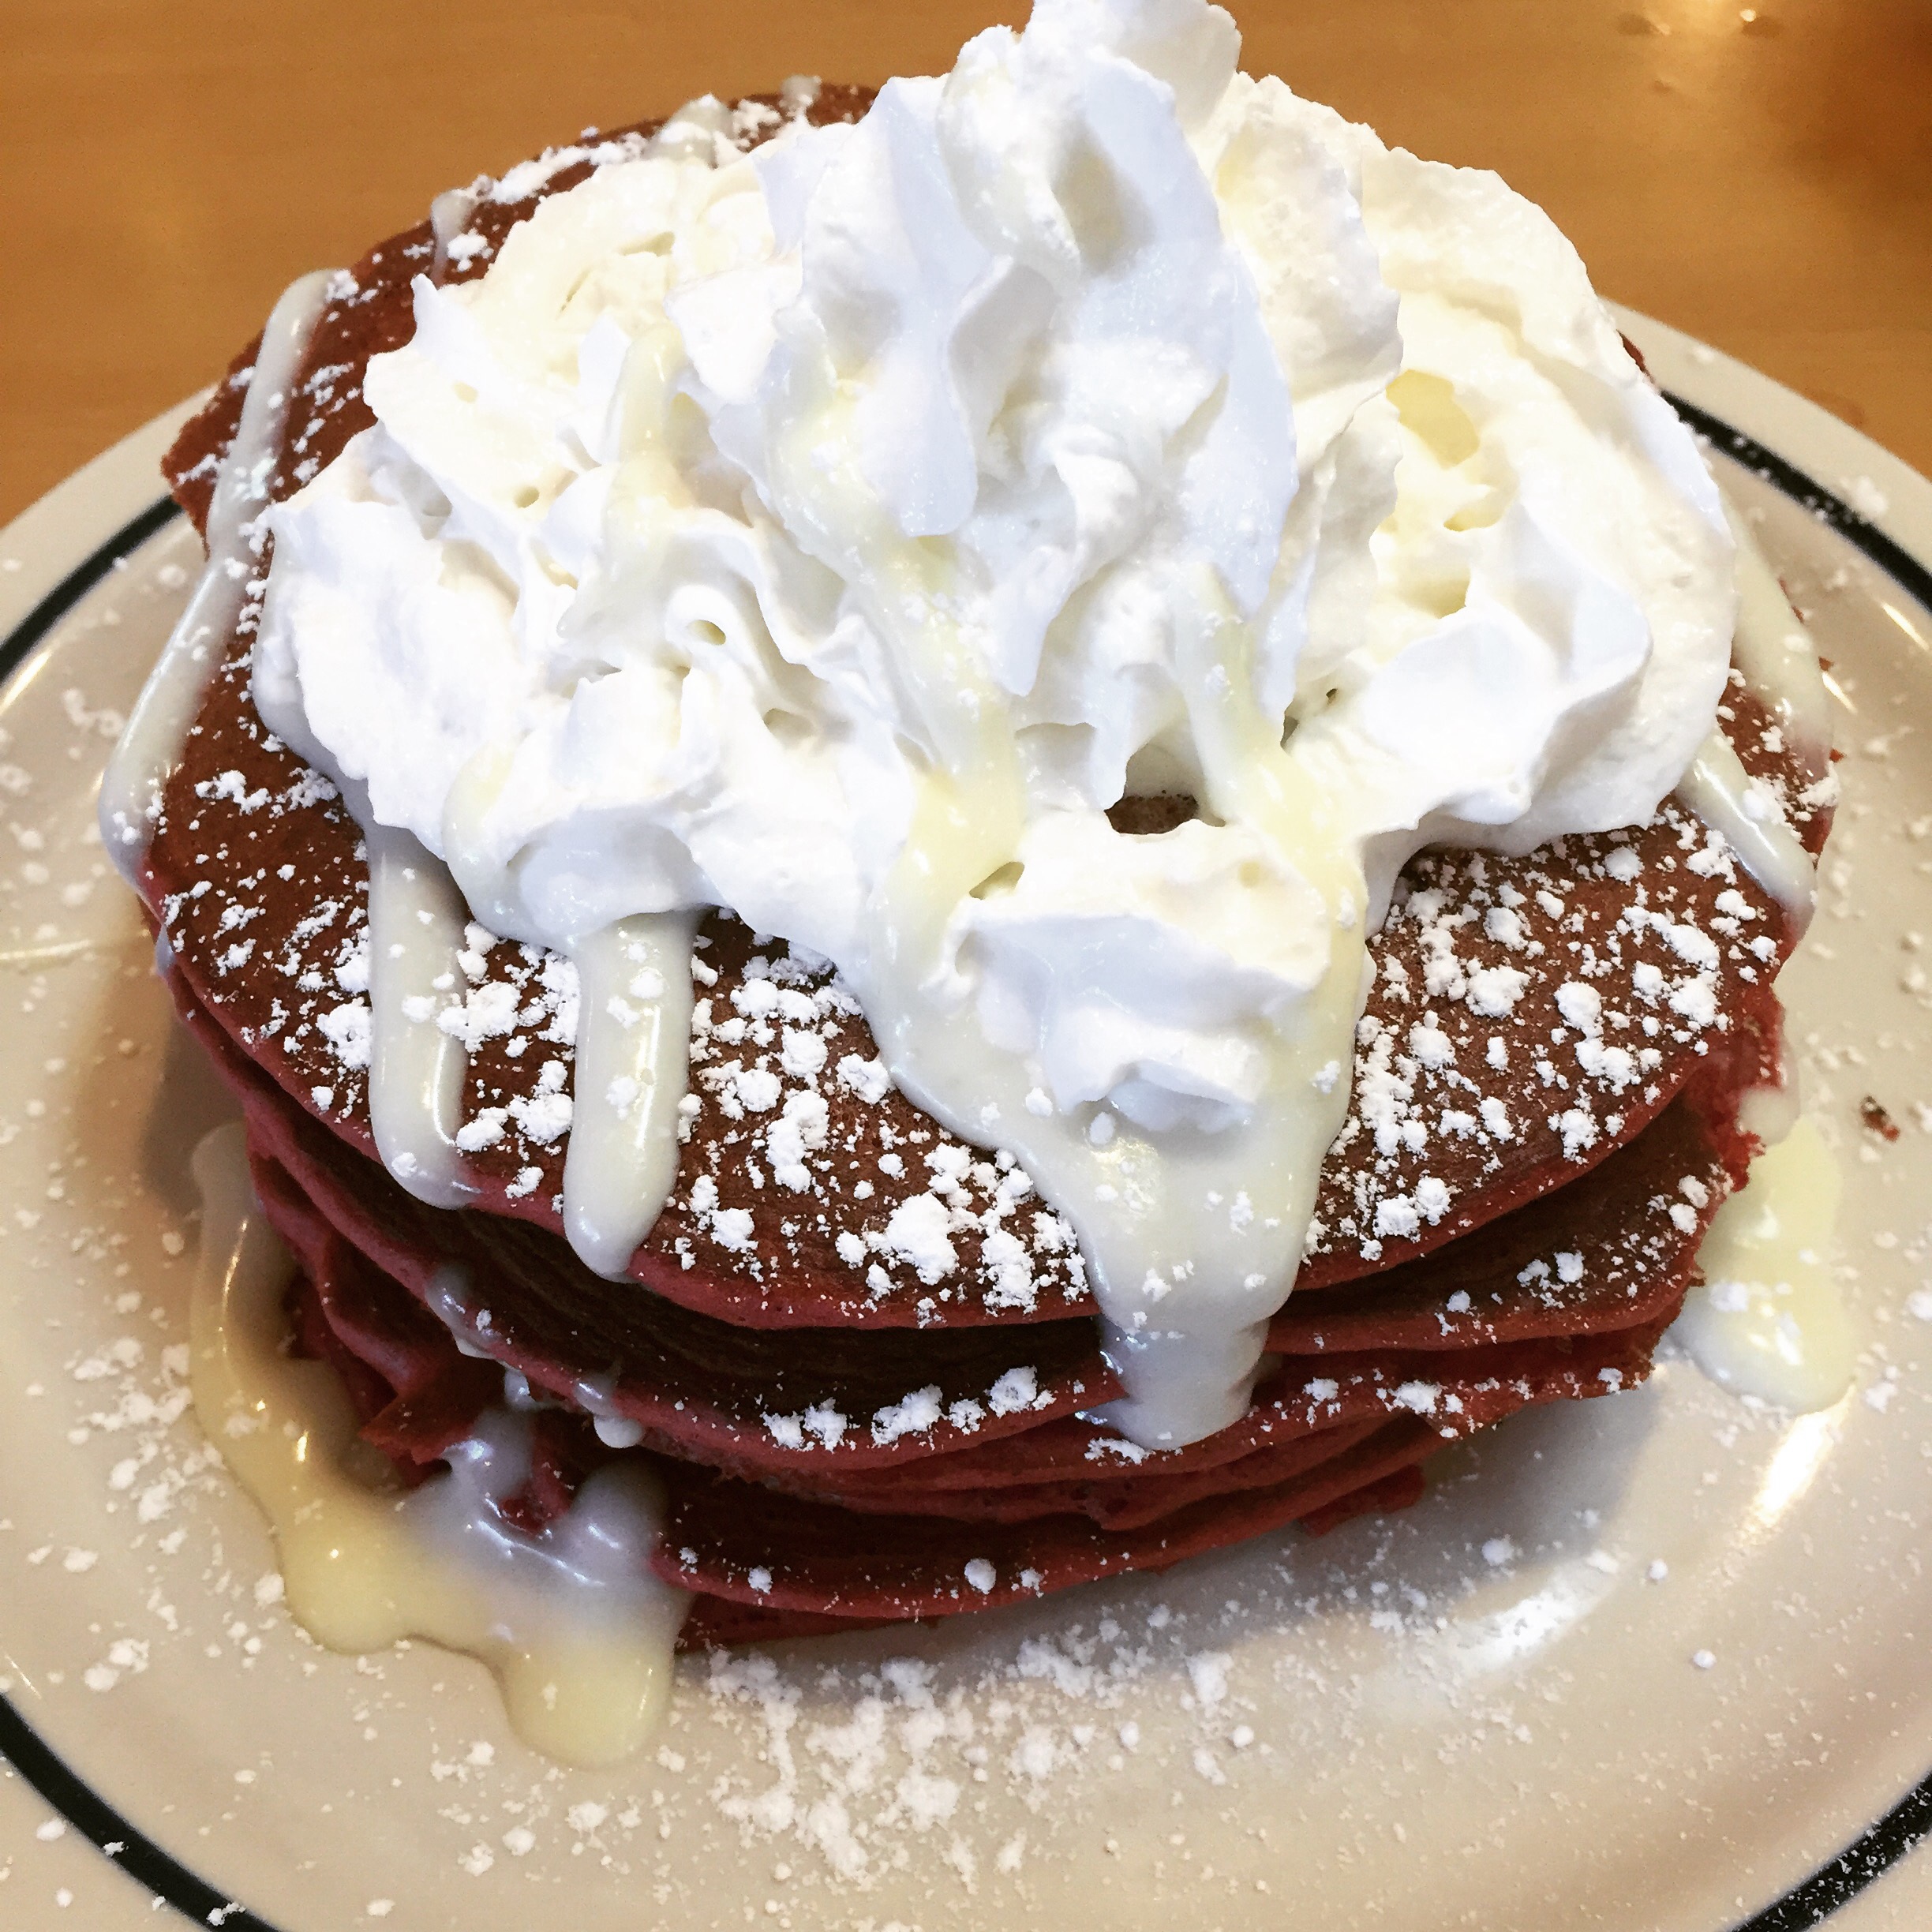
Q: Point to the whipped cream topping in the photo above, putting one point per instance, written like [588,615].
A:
[836,533]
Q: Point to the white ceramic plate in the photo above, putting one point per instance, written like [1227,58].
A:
[1384,1728]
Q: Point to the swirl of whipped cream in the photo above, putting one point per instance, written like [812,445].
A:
[836,533]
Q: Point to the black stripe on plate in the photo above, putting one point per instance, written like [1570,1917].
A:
[136,1853]
[1870,1855]
[1808,1904]
[82,579]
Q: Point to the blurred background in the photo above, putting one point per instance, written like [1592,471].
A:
[1760,176]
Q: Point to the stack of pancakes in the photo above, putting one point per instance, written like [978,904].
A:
[859,1352]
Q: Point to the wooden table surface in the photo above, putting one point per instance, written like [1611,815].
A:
[1762,176]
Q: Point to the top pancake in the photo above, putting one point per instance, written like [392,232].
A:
[1527,1016]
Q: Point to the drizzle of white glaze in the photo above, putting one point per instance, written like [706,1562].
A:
[1729,800]
[1768,1113]
[1170,1205]
[633,1059]
[447,1296]
[577,1629]
[449,215]
[151,746]
[1775,652]
[594,1395]
[417,918]
[1768,1320]
[1771,647]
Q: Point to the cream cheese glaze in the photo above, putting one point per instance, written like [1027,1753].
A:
[572,1622]
[1767,1320]
[835,534]
[151,746]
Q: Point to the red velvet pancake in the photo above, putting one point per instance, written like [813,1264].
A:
[1545,1118]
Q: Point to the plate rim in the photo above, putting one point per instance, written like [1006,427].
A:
[40,587]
